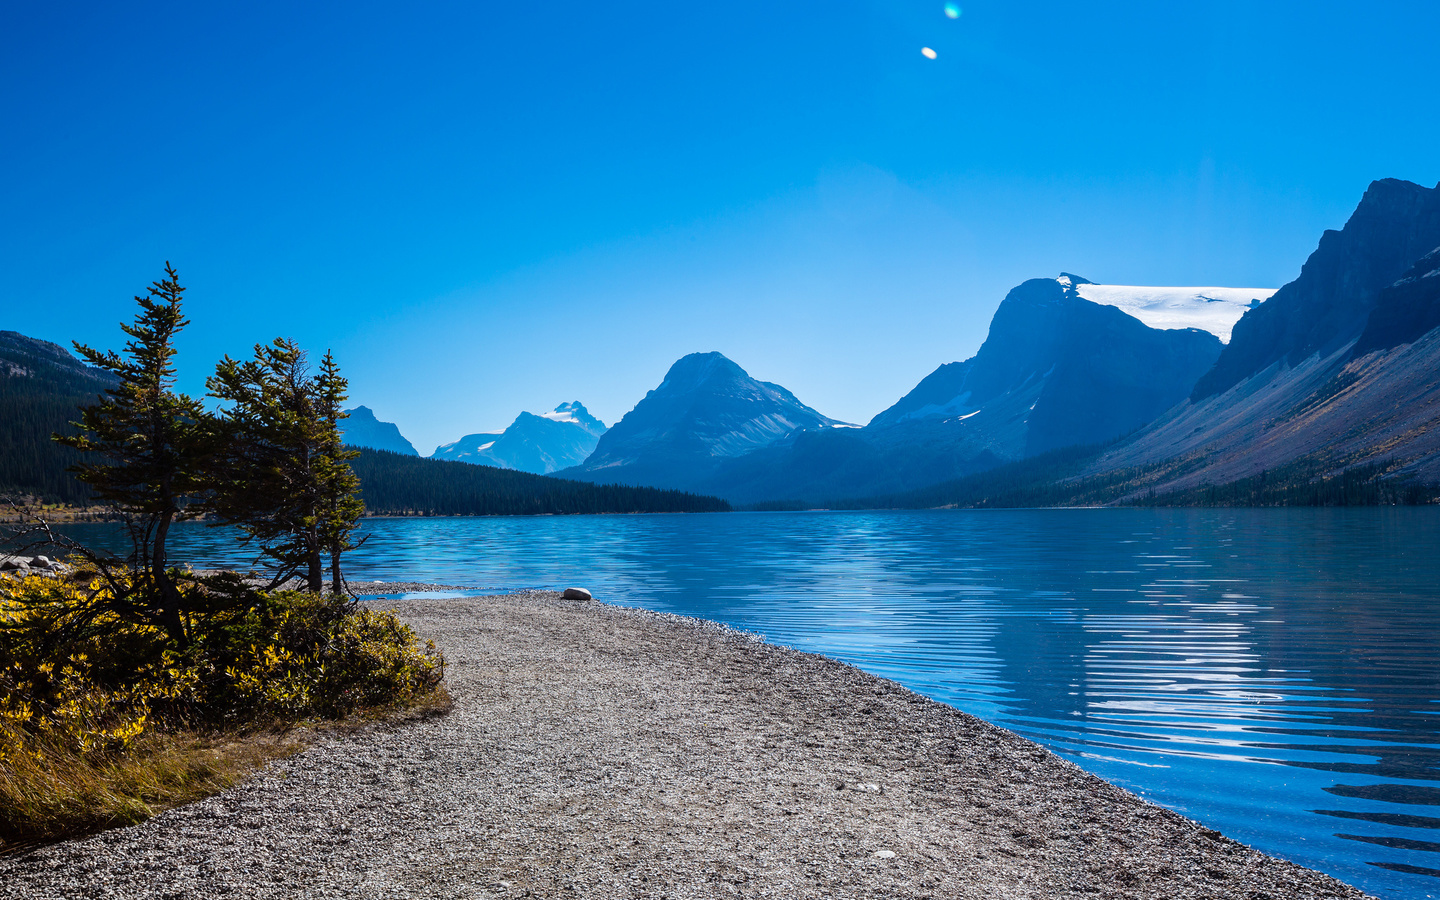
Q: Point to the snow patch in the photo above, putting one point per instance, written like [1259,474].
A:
[1212,309]
[484,446]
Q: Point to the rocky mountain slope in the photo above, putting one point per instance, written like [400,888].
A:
[362,429]
[1342,364]
[705,411]
[540,444]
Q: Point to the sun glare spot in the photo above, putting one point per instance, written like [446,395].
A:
[927,53]
[952,10]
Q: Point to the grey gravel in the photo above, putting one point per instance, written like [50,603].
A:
[380,588]
[596,751]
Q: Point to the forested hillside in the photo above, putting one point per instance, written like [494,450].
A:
[41,386]
[1056,479]
[396,484]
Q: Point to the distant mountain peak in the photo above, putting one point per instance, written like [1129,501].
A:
[575,413]
[360,428]
[539,443]
[706,409]
[695,369]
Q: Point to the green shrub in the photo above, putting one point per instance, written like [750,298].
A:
[87,697]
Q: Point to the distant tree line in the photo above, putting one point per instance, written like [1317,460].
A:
[1305,482]
[399,484]
[1054,479]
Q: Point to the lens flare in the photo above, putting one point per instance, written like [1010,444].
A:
[927,53]
[952,10]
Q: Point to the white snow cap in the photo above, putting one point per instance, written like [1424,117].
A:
[1212,309]
[565,412]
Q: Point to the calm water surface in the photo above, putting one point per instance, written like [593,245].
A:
[1274,674]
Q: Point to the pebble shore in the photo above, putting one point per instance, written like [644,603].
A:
[601,752]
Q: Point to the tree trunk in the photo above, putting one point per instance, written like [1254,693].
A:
[170,601]
[315,576]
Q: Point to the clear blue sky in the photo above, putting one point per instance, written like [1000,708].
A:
[490,207]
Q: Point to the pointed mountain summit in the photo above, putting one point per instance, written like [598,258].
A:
[1055,370]
[705,410]
[362,429]
[540,444]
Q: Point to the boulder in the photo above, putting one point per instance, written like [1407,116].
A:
[577,594]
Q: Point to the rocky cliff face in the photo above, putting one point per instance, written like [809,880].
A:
[706,409]
[362,429]
[1405,310]
[540,444]
[1339,366]
[1328,306]
[1094,372]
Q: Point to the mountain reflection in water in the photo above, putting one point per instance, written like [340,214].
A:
[1274,673]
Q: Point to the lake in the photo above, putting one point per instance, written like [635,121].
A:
[1272,673]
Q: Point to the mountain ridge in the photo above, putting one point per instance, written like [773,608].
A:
[540,443]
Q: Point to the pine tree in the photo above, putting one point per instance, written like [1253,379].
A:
[152,441]
[284,477]
[341,507]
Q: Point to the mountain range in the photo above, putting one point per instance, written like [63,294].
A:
[1056,370]
[1119,393]
[540,444]
[1179,386]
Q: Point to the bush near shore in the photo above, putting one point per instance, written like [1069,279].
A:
[105,721]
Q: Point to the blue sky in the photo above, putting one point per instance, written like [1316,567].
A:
[485,207]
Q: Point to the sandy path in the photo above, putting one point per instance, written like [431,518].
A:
[601,752]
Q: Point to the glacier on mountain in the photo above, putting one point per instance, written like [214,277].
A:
[1212,309]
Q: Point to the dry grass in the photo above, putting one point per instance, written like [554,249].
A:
[52,792]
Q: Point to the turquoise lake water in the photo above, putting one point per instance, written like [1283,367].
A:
[1274,674]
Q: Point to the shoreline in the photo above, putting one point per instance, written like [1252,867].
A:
[598,750]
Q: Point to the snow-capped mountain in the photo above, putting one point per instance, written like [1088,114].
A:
[362,429]
[707,409]
[1055,370]
[541,443]
[1212,309]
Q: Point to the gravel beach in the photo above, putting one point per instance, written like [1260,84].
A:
[601,752]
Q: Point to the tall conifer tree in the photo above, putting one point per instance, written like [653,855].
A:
[341,507]
[152,443]
[284,477]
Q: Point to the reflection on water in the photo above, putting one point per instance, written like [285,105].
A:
[1274,674]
